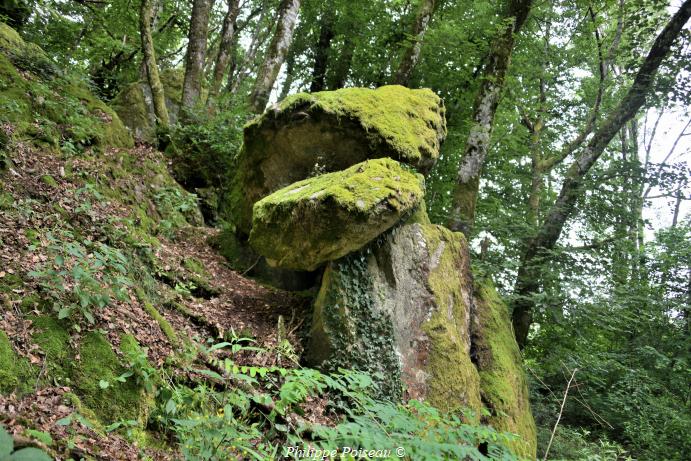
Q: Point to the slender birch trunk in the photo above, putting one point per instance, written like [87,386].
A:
[266,77]
[158,95]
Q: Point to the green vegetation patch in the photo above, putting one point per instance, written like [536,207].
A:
[48,106]
[98,364]
[16,373]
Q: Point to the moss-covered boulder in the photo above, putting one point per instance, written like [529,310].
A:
[328,216]
[134,105]
[331,131]
[405,307]
[502,379]
[48,106]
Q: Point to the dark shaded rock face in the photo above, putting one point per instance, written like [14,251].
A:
[308,134]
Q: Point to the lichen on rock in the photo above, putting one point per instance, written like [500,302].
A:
[412,283]
[502,378]
[328,216]
[331,131]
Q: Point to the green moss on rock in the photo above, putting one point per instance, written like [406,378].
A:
[326,217]
[453,381]
[134,105]
[502,379]
[409,122]
[331,131]
[401,307]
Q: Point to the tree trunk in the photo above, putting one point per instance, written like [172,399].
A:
[290,76]
[158,96]
[225,48]
[321,56]
[468,180]
[196,53]
[533,259]
[412,53]
[258,37]
[287,18]
[342,66]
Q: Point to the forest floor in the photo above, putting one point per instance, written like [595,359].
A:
[195,290]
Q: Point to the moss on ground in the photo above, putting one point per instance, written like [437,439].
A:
[16,373]
[98,362]
[163,324]
[49,107]
[53,337]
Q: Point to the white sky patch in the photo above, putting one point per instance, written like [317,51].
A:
[660,210]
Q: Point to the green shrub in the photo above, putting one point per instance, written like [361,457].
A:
[203,152]
[255,413]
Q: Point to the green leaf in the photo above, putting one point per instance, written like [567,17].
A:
[64,313]
[171,406]
[66,421]
[42,436]
[30,454]
[210,374]
[103,384]
[6,442]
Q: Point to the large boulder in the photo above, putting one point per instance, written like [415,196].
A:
[135,105]
[331,131]
[406,309]
[326,217]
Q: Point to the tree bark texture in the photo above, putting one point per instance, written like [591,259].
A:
[266,77]
[343,63]
[321,55]
[412,52]
[196,52]
[225,48]
[536,253]
[158,95]
[468,179]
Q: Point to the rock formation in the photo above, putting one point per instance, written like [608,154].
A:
[329,131]
[397,297]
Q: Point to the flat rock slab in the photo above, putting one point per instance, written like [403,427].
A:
[331,131]
[329,216]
